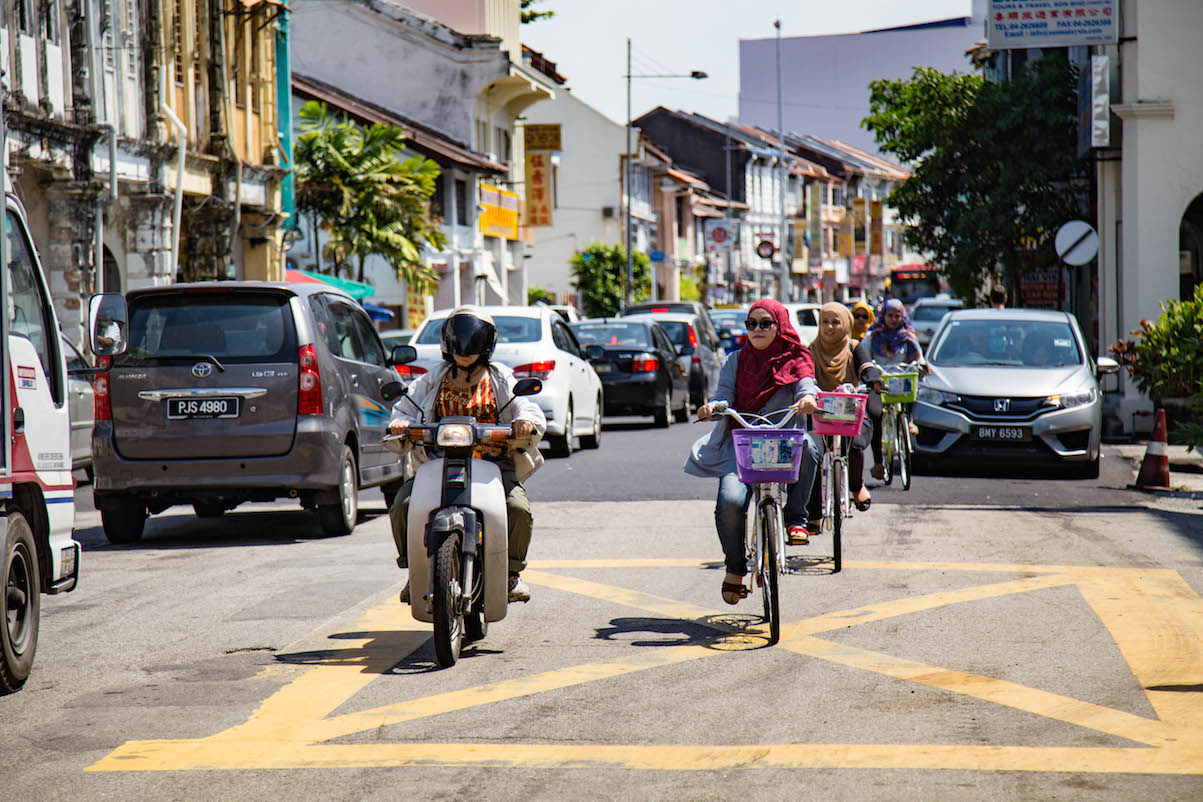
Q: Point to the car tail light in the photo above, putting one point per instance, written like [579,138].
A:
[309,382]
[644,363]
[656,310]
[693,337]
[535,370]
[102,405]
[409,371]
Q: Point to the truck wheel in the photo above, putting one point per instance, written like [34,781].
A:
[339,519]
[21,604]
[123,520]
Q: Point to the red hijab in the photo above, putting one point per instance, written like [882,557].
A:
[785,361]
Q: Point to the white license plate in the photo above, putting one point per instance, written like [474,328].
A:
[185,408]
[604,367]
[899,385]
[1010,434]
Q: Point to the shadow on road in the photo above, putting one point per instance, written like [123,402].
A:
[723,632]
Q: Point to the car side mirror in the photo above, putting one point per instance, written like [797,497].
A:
[594,352]
[1107,365]
[685,350]
[402,355]
[108,324]
[392,391]
[528,387]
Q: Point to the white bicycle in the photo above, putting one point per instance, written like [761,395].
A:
[838,420]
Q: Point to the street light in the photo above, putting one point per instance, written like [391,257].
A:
[696,75]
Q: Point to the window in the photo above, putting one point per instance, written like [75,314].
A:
[25,16]
[347,343]
[438,199]
[131,39]
[50,27]
[461,202]
[251,327]
[177,26]
[564,340]
[324,321]
[509,330]
[373,351]
[29,307]
[254,72]
[75,360]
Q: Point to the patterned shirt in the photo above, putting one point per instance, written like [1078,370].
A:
[478,402]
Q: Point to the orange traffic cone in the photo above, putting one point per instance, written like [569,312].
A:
[1155,470]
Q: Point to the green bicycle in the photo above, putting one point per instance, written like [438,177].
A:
[901,387]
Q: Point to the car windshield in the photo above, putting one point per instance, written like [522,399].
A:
[613,334]
[1020,343]
[509,330]
[256,327]
[930,313]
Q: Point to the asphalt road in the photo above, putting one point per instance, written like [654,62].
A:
[990,637]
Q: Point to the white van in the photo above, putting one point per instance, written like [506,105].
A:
[37,490]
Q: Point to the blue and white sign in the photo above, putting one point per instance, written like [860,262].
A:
[1018,24]
[656,256]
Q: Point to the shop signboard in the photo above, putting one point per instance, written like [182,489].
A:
[539,201]
[1039,288]
[720,235]
[542,136]
[876,236]
[1022,24]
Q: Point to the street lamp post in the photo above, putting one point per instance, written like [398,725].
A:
[696,75]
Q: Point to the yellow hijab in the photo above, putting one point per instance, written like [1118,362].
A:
[833,363]
[859,329]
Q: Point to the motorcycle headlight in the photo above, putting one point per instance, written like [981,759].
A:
[936,397]
[1070,400]
[454,435]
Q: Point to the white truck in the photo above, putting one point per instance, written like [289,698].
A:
[37,491]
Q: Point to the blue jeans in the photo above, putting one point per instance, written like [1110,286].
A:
[731,507]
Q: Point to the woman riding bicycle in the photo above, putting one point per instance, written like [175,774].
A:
[841,361]
[892,341]
[467,383]
[772,371]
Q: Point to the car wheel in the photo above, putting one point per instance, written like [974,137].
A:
[562,446]
[686,411]
[20,606]
[664,415]
[340,518]
[91,474]
[208,509]
[593,440]
[1088,470]
[123,520]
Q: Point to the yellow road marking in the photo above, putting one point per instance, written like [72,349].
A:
[1155,617]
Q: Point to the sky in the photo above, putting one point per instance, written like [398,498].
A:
[587,40]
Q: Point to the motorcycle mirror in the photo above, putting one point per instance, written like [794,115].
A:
[108,321]
[528,387]
[393,391]
[403,355]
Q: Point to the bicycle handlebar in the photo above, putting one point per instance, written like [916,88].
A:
[723,409]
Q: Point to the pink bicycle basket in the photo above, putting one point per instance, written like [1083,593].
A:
[768,455]
[840,413]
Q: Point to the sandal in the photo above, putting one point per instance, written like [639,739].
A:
[800,535]
[863,506]
[739,589]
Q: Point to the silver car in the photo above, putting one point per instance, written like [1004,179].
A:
[927,313]
[1011,386]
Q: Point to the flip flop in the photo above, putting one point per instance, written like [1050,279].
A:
[863,506]
[800,535]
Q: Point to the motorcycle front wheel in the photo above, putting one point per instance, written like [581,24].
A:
[448,617]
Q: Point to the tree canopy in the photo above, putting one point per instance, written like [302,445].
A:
[369,200]
[995,166]
[530,15]
[600,277]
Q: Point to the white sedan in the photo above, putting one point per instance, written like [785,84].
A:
[805,320]
[535,342]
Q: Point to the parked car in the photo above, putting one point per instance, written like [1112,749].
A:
[242,391]
[806,321]
[570,313]
[683,307]
[731,331]
[927,313]
[702,356]
[536,343]
[394,337]
[1012,386]
[639,367]
[79,402]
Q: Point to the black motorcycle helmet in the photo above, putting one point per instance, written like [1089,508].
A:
[468,331]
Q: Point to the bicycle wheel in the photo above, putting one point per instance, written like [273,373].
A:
[889,443]
[770,531]
[905,452]
[839,481]
[448,618]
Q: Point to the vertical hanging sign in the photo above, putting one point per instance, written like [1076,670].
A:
[539,203]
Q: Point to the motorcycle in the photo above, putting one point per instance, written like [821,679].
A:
[457,518]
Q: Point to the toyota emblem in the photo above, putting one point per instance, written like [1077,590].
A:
[1002,405]
[201,370]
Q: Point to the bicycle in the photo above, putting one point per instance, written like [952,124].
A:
[901,387]
[840,415]
[767,457]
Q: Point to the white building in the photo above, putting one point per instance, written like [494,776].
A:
[469,85]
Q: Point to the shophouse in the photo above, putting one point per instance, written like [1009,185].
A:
[472,86]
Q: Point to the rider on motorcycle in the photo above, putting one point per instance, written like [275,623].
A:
[467,383]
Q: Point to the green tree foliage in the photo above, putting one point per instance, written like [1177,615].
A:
[530,15]
[368,200]
[535,293]
[1165,359]
[996,170]
[600,276]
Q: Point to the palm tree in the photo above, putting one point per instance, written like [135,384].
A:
[370,202]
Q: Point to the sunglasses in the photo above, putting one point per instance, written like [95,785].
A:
[861,316]
[763,323]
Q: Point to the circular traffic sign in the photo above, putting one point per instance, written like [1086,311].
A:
[765,249]
[719,234]
[1076,242]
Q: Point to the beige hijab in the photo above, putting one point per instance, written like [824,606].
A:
[833,363]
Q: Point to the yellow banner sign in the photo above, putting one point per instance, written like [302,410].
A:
[500,215]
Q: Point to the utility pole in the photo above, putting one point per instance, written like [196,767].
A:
[783,255]
[627,190]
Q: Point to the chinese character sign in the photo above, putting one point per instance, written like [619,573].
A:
[539,187]
[875,228]
[1016,24]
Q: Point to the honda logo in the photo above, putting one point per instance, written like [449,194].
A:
[1002,405]
[201,370]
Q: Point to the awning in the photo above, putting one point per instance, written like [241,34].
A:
[377,312]
[355,289]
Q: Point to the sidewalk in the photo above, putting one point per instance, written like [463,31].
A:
[1186,468]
